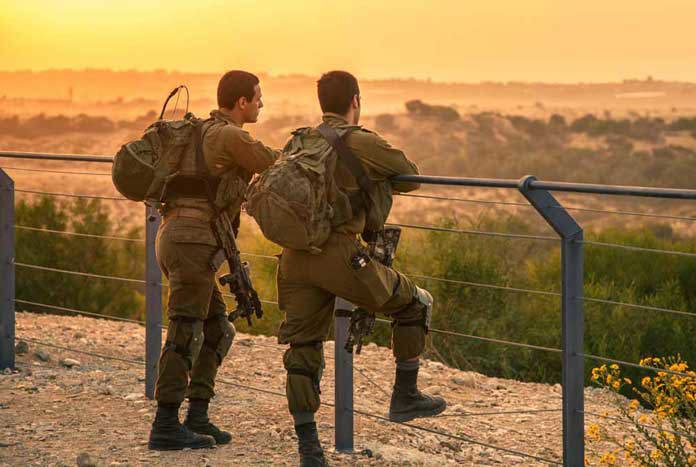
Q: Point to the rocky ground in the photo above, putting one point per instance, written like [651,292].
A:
[65,408]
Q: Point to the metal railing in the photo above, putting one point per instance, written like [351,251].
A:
[539,198]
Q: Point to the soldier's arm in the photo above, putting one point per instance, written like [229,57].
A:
[383,159]
[250,154]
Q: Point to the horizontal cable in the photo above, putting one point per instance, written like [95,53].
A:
[25,169]
[72,195]
[474,232]
[78,234]
[633,305]
[620,420]
[371,381]
[486,339]
[57,157]
[465,439]
[76,273]
[635,365]
[482,285]
[637,248]
[464,200]
[625,213]
[79,312]
[84,352]
[504,412]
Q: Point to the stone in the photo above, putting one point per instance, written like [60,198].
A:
[133,396]
[42,355]
[22,347]
[85,460]
[7,371]
[69,362]
[106,390]
[433,390]
[466,379]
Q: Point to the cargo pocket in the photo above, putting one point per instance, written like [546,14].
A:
[376,280]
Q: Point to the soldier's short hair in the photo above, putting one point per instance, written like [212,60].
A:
[234,85]
[336,90]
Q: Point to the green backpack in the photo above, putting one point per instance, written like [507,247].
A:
[167,150]
[295,201]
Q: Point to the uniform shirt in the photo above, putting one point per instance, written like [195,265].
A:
[380,159]
[232,154]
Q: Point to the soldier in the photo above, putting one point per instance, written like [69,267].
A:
[199,334]
[308,283]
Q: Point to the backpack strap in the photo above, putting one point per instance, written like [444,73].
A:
[351,161]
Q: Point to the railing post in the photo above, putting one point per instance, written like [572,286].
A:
[153,302]
[343,420]
[7,272]
[572,319]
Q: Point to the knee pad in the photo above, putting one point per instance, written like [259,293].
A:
[219,335]
[185,337]
[419,311]
[304,364]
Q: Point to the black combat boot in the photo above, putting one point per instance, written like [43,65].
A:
[311,453]
[197,421]
[169,435]
[408,402]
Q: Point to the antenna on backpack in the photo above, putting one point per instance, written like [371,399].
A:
[176,91]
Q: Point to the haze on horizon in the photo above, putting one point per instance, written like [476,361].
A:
[445,40]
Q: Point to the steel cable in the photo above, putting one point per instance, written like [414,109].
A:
[637,248]
[486,339]
[474,232]
[463,200]
[635,365]
[465,439]
[78,234]
[633,305]
[626,422]
[84,352]
[486,286]
[55,171]
[79,312]
[72,195]
[76,273]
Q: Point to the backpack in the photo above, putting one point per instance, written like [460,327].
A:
[143,168]
[293,201]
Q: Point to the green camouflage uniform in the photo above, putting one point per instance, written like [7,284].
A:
[309,283]
[199,334]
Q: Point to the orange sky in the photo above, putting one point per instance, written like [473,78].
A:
[446,40]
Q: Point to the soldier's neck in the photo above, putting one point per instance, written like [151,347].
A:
[233,116]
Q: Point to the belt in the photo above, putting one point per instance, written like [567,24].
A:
[190,213]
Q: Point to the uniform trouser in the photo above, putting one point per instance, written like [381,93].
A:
[199,334]
[307,288]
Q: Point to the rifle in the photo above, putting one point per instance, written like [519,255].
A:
[382,246]
[237,279]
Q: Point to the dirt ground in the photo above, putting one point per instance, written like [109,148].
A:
[62,408]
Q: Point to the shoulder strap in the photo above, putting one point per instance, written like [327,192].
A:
[346,156]
[202,167]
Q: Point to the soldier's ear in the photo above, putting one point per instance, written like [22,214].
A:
[356,101]
[242,102]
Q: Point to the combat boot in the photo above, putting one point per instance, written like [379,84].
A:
[169,435]
[198,422]
[407,402]
[311,453]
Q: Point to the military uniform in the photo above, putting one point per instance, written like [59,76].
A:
[309,283]
[199,334]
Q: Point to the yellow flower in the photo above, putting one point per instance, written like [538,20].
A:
[643,419]
[646,381]
[614,366]
[634,404]
[616,385]
[655,455]
[608,458]
[593,431]
[628,381]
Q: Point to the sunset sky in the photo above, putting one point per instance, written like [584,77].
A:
[446,40]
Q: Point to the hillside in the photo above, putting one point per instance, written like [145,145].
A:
[52,409]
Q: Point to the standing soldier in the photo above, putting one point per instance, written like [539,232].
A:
[199,334]
[308,283]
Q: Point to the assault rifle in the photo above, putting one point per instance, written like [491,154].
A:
[237,279]
[382,247]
